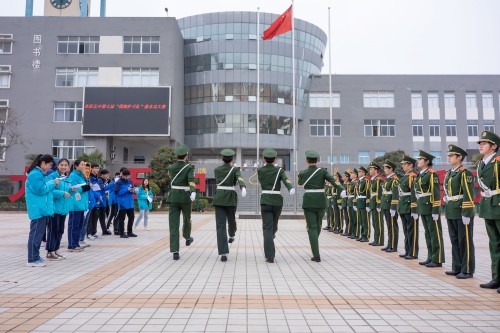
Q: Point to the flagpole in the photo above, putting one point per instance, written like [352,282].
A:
[293,108]
[330,90]
[258,106]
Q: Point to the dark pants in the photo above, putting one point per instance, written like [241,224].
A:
[174,220]
[121,220]
[314,217]
[405,223]
[392,229]
[462,246]
[364,224]
[112,217]
[493,230]
[353,221]
[55,231]
[345,218]
[270,218]
[98,213]
[74,228]
[433,239]
[225,214]
[378,226]
[37,229]
[337,221]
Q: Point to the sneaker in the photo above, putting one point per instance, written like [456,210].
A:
[39,263]
[59,255]
[84,245]
[189,241]
[95,236]
[107,232]
[52,256]
[123,236]
[146,228]
[76,249]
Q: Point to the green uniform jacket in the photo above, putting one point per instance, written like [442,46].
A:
[390,187]
[459,182]
[317,182]
[267,177]
[376,192]
[405,194]
[351,193]
[329,193]
[185,178]
[489,176]
[227,197]
[427,187]
[336,199]
[362,190]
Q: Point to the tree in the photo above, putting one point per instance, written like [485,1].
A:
[10,135]
[94,157]
[158,164]
[393,156]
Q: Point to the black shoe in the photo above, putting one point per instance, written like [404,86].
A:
[451,273]
[123,236]
[334,231]
[372,243]
[326,228]
[391,250]
[189,241]
[131,234]
[223,258]
[363,240]
[384,248]
[498,290]
[358,239]
[433,264]
[410,257]
[116,232]
[403,255]
[378,245]
[270,260]
[344,234]
[107,232]
[230,240]
[465,276]
[317,259]
[490,285]
[351,237]
[424,262]
[176,256]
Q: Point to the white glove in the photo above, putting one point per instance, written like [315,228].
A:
[465,220]
[378,210]
[292,191]
[343,194]
[415,216]
[355,208]
[244,192]
[445,198]
[136,190]
[193,196]
[435,217]
[393,212]
[368,209]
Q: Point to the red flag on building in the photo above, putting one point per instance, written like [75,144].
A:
[280,26]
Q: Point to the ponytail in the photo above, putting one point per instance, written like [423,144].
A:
[39,159]
[75,164]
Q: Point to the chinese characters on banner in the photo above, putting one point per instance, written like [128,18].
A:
[125,106]
[37,52]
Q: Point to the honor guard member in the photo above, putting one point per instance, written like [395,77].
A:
[389,206]
[225,201]
[329,210]
[313,202]
[351,203]
[345,210]
[362,192]
[376,184]
[489,207]
[336,202]
[407,208]
[428,202]
[459,211]
[271,202]
[182,192]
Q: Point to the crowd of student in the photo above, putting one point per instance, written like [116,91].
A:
[86,193]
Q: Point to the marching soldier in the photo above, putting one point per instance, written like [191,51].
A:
[362,192]
[389,206]
[459,210]
[313,180]
[375,208]
[345,209]
[329,210]
[407,208]
[351,203]
[489,182]
[225,201]
[428,202]
[336,201]
[271,201]
[182,192]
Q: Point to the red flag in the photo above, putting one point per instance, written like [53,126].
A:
[280,26]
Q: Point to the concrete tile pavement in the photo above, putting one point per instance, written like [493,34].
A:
[133,285]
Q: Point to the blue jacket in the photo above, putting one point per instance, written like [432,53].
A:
[105,189]
[96,199]
[123,197]
[142,198]
[39,195]
[76,177]
[61,204]
[111,193]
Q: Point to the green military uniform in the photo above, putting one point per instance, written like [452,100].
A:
[329,210]
[489,207]
[459,211]
[225,201]
[376,184]
[362,194]
[336,201]
[182,185]
[345,208]
[313,203]
[271,202]
[407,209]
[428,202]
[351,201]
[389,208]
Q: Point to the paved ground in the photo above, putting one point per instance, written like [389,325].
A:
[133,285]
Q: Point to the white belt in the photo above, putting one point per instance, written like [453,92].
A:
[329,196]
[421,195]
[315,191]
[404,194]
[361,197]
[454,197]
[185,188]
[270,192]
[489,193]
[386,192]
[350,196]
[229,188]
[374,195]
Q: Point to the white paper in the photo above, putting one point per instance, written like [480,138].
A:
[61,178]
[96,187]
[78,185]
[150,199]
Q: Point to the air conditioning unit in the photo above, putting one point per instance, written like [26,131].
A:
[113,148]
[113,155]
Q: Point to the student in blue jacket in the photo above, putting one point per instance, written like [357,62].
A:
[124,191]
[92,197]
[144,199]
[62,203]
[103,205]
[113,212]
[79,204]
[40,205]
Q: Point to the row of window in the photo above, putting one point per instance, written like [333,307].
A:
[372,127]
[4,110]
[449,99]
[88,76]
[244,123]
[371,99]
[450,127]
[237,60]
[364,157]
[90,44]
[70,149]
[3,143]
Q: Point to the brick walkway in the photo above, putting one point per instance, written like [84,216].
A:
[133,285]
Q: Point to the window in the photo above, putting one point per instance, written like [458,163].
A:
[133,77]
[6,41]
[76,77]
[321,127]
[4,110]
[487,100]
[69,149]
[3,143]
[436,160]
[416,100]
[489,125]
[378,99]
[472,128]
[364,157]
[471,100]
[379,154]
[78,44]
[344,158]
[67,111]
[451,128]
[322,100]
[433,100]
[417,127]
[141,44]
[5,74]
[384,127]
[434,128]
[449,99]
[139,159]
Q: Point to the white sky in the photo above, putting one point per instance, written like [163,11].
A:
[369,36]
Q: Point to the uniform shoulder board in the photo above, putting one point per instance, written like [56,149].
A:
[379,178]
[497,158]
[412,174]
[462,169]
[430,170]
[395,177]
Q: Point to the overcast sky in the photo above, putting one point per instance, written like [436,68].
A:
[368,36]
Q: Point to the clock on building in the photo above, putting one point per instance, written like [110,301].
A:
[60,4]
